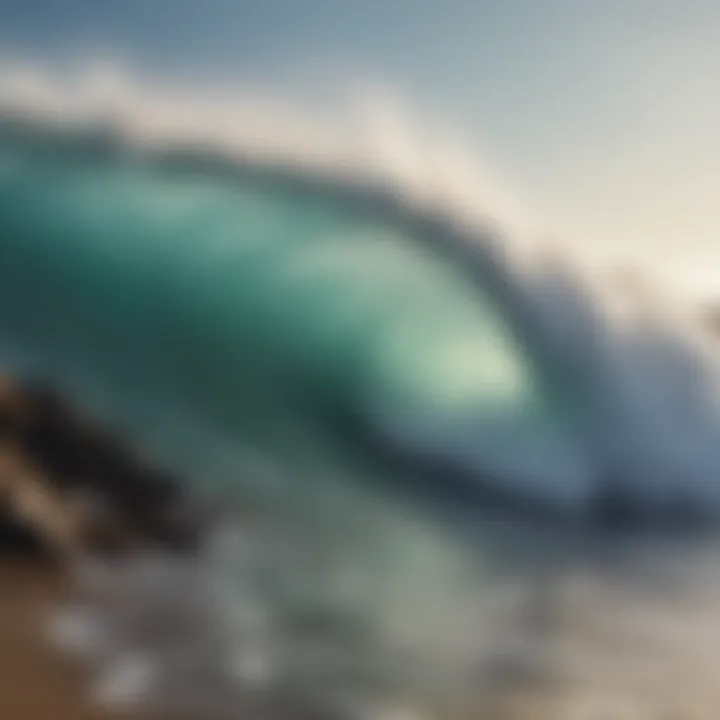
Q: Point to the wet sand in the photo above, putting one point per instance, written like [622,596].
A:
[36,683]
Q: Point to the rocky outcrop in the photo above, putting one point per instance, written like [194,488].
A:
[69,486]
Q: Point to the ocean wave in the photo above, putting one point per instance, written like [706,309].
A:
[292,321]
[200,145]
[387,211]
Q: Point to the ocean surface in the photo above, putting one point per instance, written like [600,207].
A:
[412,431]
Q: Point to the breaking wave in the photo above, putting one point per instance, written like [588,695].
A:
[333,337]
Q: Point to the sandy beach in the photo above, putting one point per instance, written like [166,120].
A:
[36,683]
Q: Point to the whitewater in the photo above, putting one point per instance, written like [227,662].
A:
[429,417]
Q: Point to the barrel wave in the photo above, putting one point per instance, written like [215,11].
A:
[336,364]
[321,353]
[252,299]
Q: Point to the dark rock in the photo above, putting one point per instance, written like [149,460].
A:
[123,502]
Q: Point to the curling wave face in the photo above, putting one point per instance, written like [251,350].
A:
[270,329]
[214,289]
[266,339]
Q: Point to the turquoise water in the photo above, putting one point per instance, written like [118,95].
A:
[271,312]
[271,340]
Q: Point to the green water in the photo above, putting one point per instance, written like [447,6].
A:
[243,331]
[263,311]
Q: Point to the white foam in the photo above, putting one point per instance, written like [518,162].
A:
[127,681]
[76,630]
[369,138]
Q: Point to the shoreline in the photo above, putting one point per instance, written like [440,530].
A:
[68,488]
[37,682]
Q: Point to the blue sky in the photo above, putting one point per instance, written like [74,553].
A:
[601,114]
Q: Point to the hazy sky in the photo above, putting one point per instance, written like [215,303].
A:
[603,115]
